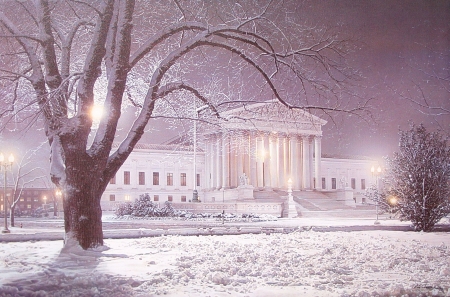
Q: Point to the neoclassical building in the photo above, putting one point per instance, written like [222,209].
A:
[259,152]
[267,142]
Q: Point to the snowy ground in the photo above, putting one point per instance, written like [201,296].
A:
[303,263]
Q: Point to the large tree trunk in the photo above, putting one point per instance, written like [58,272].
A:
[82,187]
[82,216]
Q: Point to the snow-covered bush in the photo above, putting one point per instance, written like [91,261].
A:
[124,209]
[145,207]
[418,178]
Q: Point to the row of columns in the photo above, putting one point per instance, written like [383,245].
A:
[268,160]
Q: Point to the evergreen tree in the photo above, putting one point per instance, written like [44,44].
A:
[419,177]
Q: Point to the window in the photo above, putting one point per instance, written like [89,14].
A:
[142,178]
[324,183]
[126,177]
[353,181]
[198,179]
[112,181]
[112,197]
[183,179]
[363,184]
[127,198]
[183,198]
[170,198]
[21,199]
[29,206]
[333,183]
[155,178]
[170,179]
[155,197]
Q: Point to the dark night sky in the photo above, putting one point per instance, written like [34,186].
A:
[397,38]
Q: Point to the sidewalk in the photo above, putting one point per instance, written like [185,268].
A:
[52,229]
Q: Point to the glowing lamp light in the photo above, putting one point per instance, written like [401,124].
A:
[97,112]
[10,158]
[393,200]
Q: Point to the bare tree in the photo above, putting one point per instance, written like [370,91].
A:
[27,172]
[156,56]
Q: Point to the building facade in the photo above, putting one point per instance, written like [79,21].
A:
[259,148]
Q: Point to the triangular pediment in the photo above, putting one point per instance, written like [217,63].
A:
[272,116]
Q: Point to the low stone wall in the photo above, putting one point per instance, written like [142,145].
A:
[271,208]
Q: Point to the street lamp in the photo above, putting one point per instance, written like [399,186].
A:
[5,165]
[195,192]
[376,173]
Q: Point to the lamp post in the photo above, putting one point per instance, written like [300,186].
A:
[5,166]
[376,173]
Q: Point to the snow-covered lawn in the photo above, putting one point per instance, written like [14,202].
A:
[303,263]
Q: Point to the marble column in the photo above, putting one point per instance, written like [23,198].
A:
[267,168]
[232,163]
[246,157]
[293,162]
[306,162]
[239,164]
[260,161]
[253,156]
[317,162]
[273,151]
[282,180]
[208,163]
[225,162]
[218,167]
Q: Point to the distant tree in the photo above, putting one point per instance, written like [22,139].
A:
[26,172]
[61,58]
[418,177]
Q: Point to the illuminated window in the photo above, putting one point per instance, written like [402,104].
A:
[183,198]
[333,183]
[170,179]
[29,206]
[126,177]
[155,178]
[183,179]
[142,178]
[127,198]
